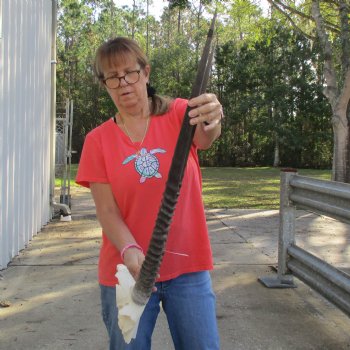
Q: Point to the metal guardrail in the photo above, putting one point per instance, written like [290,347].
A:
[325,197]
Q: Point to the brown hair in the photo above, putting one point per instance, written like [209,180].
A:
[120,48]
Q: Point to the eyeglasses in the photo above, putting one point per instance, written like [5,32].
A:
[130,78]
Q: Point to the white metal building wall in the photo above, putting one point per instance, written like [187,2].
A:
[25,85]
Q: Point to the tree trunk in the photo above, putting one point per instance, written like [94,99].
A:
[276,157]
[133,20]
[338,98]
[147,30]
[340,150]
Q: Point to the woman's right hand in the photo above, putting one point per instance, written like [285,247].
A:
[133,259]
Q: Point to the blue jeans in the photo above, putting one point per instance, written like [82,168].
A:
[189,304]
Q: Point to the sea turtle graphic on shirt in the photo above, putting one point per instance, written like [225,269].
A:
[146,164]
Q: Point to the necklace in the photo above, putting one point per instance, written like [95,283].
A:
[127,131]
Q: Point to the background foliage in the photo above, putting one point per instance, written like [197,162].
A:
[266,74]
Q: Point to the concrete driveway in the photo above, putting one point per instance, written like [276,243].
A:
[52,296]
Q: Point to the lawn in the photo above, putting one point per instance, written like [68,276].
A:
[249,188]
[74,169]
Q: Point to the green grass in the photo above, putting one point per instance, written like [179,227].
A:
[244,188]
[248,188]
[74,168]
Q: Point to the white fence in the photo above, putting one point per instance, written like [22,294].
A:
[25,85]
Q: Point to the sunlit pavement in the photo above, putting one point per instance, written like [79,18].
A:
[51,297]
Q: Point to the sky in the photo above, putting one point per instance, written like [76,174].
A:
[156,9]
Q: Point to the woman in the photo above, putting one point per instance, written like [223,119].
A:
[125,162]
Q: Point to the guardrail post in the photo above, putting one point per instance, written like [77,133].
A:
[286,238]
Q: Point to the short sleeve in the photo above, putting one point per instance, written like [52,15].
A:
[92,164]
[180,106]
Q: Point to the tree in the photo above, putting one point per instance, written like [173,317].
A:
[329,20]
[273,101]
[271,109]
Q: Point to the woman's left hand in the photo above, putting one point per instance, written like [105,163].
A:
[206,109]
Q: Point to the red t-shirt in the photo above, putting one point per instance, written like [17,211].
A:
[138,183]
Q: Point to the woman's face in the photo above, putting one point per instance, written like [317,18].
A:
[128,97]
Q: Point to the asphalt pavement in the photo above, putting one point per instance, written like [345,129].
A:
[49,296]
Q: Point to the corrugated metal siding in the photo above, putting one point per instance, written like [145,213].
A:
[25,85]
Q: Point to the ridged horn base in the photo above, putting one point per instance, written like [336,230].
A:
[139,297]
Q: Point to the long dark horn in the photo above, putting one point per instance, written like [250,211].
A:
[154,256]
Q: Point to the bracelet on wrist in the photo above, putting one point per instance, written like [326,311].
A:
[128,246]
